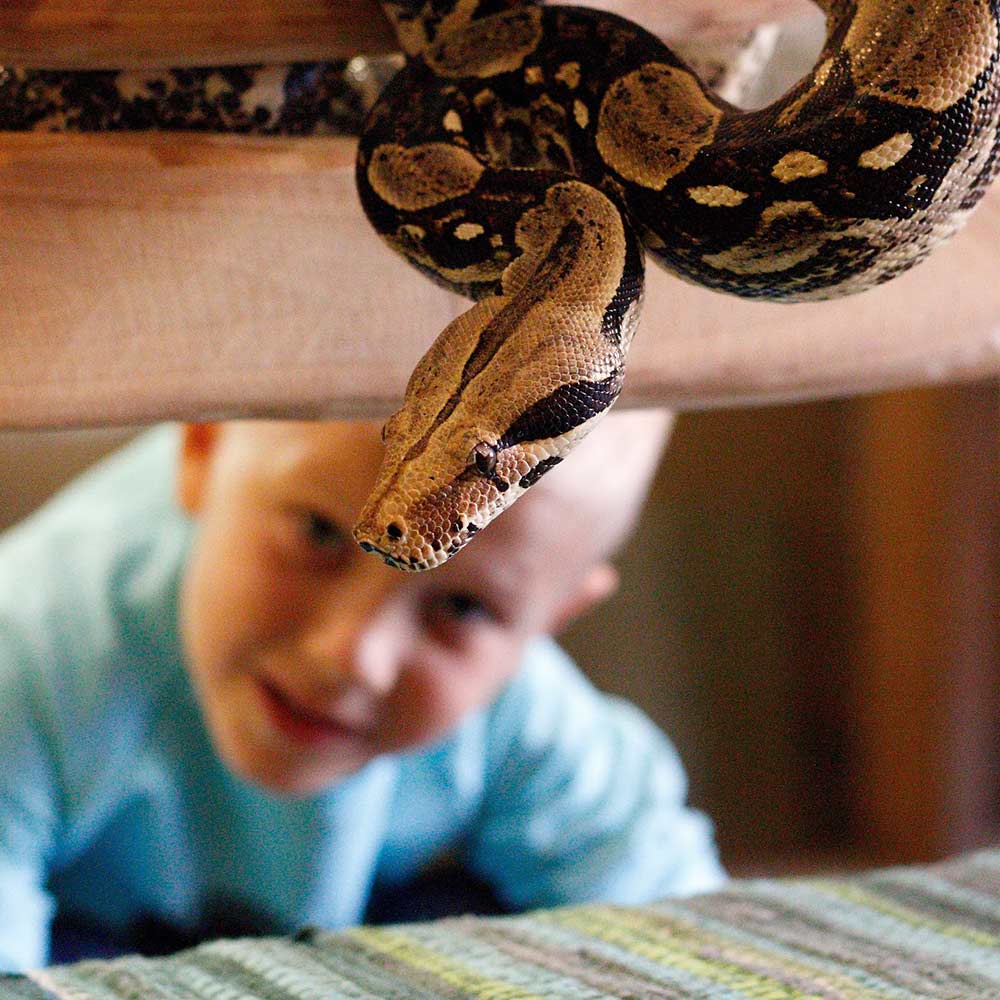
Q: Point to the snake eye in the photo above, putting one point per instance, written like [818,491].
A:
[484,457]
[389,427]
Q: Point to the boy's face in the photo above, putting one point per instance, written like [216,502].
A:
[308,656]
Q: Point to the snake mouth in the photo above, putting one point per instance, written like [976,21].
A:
[401,558]
[401,542]
[407,565]
[422,537]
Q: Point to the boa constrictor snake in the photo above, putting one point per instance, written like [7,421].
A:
[527,156]
[530,156]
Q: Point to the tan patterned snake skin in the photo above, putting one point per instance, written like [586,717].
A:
[529,156]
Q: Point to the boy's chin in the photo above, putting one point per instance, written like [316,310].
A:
[297,782]
[283,772]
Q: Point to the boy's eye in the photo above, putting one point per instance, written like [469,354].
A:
[322,533]
[459,606]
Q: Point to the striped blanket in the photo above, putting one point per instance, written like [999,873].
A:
[899,933]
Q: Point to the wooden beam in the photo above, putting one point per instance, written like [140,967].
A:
[148,276]
[108,34]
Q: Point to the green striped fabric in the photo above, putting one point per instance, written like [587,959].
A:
[899,933]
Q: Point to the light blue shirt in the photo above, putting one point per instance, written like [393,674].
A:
[114,806]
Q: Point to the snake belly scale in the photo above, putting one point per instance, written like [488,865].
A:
[530,156]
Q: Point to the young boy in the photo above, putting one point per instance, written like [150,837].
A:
[220,716]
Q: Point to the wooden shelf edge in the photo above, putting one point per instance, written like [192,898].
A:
[66,34]
[104,34]
[165,275]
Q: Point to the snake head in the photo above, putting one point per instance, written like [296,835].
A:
[508,388]
[435,493]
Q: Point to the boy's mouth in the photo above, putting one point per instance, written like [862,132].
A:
[303,725]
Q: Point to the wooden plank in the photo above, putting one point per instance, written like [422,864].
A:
[152,276]
[92,34]
[99,34]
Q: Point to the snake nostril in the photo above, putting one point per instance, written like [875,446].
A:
[394,531]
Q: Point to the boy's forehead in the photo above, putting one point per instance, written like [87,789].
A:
[311,448]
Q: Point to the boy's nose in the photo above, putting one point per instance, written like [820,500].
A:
[358,643]
[373,659]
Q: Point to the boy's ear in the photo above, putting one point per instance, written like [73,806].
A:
[198,443]
[600,582]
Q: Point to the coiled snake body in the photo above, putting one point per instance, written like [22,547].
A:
[527,156]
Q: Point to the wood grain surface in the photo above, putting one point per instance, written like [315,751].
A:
[154,276]
[90,34]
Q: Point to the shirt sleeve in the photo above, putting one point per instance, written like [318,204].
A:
[28,813]
[87,585]
[585,799]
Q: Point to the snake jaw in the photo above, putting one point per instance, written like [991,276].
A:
[424,509]
[390,560]
[419,516]
[423,539]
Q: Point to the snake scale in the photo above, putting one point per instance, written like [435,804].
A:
[530,156]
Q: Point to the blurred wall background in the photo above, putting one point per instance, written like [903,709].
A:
[811,610]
